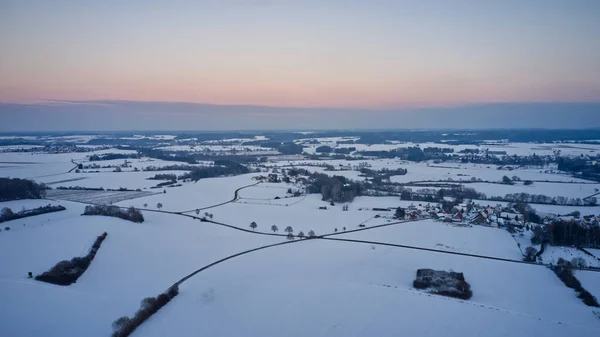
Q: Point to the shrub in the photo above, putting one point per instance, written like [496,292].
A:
[530,254]
[6,228]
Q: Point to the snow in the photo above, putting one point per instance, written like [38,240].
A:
[553,253]
[151,256]
[569,190]
[303,216]
[346,289]
[590,281]
[305,288]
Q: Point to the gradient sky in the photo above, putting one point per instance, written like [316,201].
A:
[345,54]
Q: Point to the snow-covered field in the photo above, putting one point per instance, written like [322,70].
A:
[321,288]
[568,190]
[304,288]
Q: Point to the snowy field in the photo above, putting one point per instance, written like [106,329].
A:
[549,189]
[135,261]
[304,288]
[346,289]
[520,149]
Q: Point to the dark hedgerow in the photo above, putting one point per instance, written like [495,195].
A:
[67,272]
[131,214]
[124,326]
[564,271]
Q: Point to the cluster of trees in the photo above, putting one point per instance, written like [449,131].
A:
[580,167]
[345,150]
[15,189]
[221,168]
[324,149]
[124,326]
[335,188]
[6,214]
[111,156]
[383,173]
[287,148]
[159,176]
[567,233]
[67,272]
[131,214]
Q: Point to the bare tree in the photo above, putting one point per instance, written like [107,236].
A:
[311,234]
[145,205]
[300,234]
[253,225]
[289,229]
[159,205]
[197,211]
[274,228]
[290,236]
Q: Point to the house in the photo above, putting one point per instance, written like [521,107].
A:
[458,217]
[480,218]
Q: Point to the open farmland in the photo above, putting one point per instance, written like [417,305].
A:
[230,241]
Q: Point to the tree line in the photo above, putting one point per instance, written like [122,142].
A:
[16,189]
[6,214]
[221,168]
[567,233]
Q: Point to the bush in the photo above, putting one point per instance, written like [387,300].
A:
[530,254]
[67,272]
[131,214]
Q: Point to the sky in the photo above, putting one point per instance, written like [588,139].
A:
[294,60]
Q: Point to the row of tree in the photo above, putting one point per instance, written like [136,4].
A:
[6,214]
[288,230]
